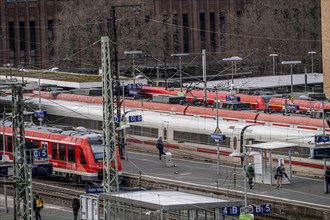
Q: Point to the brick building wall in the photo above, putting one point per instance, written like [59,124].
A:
[27,27]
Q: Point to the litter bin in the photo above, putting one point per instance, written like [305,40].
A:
[168,159]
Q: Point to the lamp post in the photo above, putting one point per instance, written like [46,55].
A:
[311,99]
[244,156]
[180,55]
[312,53]
[232,59]
[273,55]
[133,53]
[218,145]
[291,63]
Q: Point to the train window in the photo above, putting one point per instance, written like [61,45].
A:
[97,148]
[10,144]
[182,136]
[82,158]
[143,131]
[62,152]
[35,144]
[54,151]
[71,154]
[1,142]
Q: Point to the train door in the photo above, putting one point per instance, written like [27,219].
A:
[165,130]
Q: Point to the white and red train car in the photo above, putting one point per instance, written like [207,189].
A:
[76,155]
[256,102]
[189,134]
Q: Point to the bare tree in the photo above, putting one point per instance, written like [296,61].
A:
[287,28]
[78,31]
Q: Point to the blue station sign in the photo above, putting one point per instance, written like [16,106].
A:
[231,210]
[135,118]
[321,138]
[218,137]
[94,189]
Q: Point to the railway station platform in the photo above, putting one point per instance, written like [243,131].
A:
[50,212]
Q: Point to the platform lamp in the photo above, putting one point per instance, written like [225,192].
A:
[180,55]
[312,60]
[273,55]
[244,156]
[133,53]
[323,118]
[233,59]
[291,63]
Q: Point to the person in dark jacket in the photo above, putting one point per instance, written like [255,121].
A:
[327,180]
[160,147]
[75,207]
[38,204]
[280,172]
[250,175]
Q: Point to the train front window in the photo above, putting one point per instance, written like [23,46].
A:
[97,148]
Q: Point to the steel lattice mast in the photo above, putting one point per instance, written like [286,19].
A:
[23,191]
[110,172]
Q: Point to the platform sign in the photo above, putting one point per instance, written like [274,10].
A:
[117,120]
[231,210]
[218,137]
[134,86]
[292,107]
[94,189]
[133,92]
[40,153]
[40,114]
[262,209]
[320,152]
[232,98]
[135,118]
[321,138]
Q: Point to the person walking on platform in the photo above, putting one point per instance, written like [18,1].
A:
[280,172]
[37,206]
[327,180]
[250,174]
[160,147]
[75,207]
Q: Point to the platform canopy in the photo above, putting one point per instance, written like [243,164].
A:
[271,145]
[168,200]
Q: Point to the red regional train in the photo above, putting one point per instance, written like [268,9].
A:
[76,154]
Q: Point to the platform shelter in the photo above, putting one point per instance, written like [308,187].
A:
[166,205]
[264,168]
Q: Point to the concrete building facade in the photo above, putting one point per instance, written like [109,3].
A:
[325,18]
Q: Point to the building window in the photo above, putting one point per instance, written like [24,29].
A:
[202,29]
[166,40]
[175,31]
[11,33]
[22,41]
[50,37]
[33,43]
[212,32]
[185,25]
[222,31]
